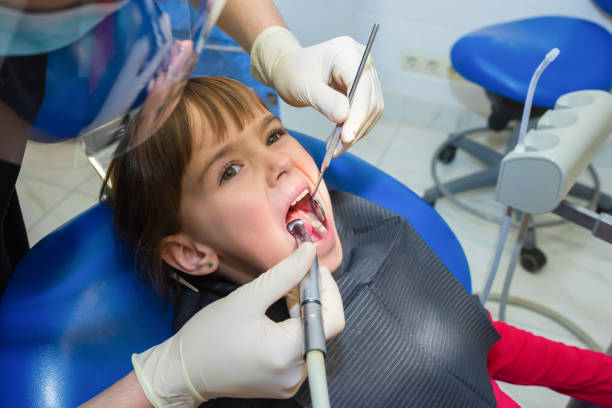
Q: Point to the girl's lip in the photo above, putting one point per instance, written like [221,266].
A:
[322,245]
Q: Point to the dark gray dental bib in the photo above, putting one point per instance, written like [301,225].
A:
[413,336]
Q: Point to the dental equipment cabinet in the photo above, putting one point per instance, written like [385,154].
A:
[537,175]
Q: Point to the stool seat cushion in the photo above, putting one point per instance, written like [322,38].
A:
[502,57]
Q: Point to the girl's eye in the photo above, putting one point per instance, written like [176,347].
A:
[274,136]
[229,171]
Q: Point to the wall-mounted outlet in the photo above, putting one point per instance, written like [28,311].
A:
[428,64]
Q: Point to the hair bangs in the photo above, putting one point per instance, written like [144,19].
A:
[223,104]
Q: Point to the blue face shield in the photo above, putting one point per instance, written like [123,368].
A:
[90,71]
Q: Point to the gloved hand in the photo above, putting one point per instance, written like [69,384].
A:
[328,300]
[320,76]
[232,349]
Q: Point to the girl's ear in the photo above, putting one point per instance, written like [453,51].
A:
[182,253]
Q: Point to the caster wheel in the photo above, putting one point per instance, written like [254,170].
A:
[532,259]
[601,209]
[447,154]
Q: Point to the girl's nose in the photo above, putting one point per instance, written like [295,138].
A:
[277,165]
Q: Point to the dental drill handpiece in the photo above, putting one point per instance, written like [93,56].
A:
[314,336]
[310,298]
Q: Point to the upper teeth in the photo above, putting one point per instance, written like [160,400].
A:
[298,198]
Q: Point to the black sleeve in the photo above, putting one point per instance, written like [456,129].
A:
[187,303]
[22,88]
[13,237]
[22,84]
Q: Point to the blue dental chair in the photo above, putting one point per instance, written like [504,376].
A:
[75,310]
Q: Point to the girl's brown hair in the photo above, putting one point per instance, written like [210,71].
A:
[146,180]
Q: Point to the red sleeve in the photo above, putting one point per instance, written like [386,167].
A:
[521,357]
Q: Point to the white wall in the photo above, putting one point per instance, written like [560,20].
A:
[430,26]
[433,26]
[314,21]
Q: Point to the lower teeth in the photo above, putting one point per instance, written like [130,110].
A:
[316,224]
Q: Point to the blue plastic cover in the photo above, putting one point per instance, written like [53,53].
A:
[81,76]
[501,58]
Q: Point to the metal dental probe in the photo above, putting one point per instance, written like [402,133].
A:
[334,138]
[312,319]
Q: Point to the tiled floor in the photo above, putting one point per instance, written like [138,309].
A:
[576,282]
[56,183]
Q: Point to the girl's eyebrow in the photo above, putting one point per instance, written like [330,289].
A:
[220,154]
[267,120]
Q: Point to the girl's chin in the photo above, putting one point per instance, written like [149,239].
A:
[331,261]
[330,254]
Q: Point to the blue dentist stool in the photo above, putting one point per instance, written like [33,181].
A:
[502,58]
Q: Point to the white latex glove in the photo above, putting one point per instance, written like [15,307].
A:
[328,303]
[232,349]
[320,76]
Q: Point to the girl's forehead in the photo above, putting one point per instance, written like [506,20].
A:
[221,126]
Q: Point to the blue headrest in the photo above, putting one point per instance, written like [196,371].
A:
[502,57]
[74,309]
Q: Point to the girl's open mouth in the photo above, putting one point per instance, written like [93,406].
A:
[302,208]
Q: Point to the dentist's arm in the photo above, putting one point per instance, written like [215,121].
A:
[125,393]
[230,348]
[244,20]
[318,76]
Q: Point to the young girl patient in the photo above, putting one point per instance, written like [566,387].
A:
[206,201]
